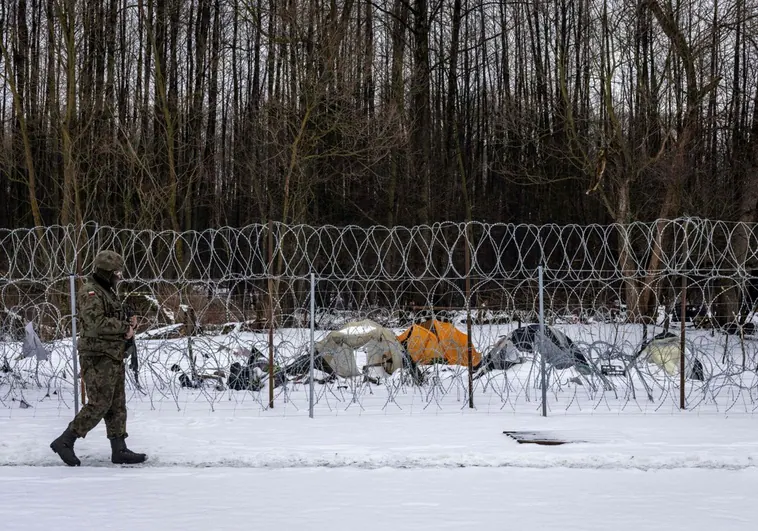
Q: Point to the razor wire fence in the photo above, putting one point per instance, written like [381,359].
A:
[427,319]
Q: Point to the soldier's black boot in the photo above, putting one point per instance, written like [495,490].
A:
[64,447]
[124,456]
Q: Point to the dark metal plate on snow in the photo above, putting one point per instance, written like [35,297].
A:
[534,437]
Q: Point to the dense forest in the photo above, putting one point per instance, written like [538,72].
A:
[188,114]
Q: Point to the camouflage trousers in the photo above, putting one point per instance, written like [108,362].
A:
[106,397]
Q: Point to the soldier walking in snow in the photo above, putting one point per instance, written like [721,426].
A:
[102,350]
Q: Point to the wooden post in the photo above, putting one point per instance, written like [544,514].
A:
[270,315]
[191,356]
[469,346]
[742,340]
[682,364]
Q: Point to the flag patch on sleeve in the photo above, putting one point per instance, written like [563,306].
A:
[90,293]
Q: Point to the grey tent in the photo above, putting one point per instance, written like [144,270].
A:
[33,345]
[501,357]
[559,350]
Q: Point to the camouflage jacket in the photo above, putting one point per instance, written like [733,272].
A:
[102,322]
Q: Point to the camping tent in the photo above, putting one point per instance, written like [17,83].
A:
[501,357]
[434,340]
[337,352]
[664,351]
[558,349]
[383,352]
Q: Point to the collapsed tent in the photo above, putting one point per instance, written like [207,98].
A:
[559,350]
[501,357]
[383,351]
[664,351]
[336,354]
[435,340]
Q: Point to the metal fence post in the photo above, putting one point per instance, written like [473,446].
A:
[469,346]
[74,354]
[270,315]
[541,345]
[682,343]
[682,323]
[312,345]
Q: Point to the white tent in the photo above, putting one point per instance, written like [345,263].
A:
[339,349]
[665,353]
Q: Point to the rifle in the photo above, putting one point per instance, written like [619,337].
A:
[131,347]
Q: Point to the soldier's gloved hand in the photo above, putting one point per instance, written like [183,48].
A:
[133,321]
[130,333]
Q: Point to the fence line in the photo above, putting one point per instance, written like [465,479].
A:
[209,301]
[504,251]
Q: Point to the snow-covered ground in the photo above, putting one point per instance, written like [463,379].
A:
[189,499]
[688,470]
[390,454]
[643,442]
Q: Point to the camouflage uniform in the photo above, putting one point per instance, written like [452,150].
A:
[102,350]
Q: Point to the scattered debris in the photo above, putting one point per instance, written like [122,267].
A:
[23,404]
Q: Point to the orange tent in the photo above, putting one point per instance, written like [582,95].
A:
[434,340]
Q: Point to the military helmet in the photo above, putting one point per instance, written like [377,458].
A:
[109,261]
